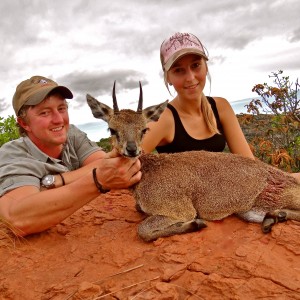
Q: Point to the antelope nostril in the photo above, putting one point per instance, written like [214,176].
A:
[131,147]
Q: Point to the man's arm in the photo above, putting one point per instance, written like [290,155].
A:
[89,163]
[29,210]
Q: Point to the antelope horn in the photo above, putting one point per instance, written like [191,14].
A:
[140,104]
[116,109]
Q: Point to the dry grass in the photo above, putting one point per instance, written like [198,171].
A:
[9,237]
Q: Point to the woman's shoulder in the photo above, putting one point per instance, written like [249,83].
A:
[220,100]
[221,103]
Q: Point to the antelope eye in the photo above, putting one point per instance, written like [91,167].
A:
[112,131]
[144,131]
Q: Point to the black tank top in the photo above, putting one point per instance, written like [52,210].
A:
[184,142]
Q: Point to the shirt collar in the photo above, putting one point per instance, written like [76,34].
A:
[37,153]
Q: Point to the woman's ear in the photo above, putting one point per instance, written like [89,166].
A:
[168,81]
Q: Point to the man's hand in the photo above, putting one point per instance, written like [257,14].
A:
[117,172]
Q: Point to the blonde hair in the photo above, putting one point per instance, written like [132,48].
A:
[208,115]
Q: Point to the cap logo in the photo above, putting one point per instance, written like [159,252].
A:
[40,81]
[43,81]
[183,39]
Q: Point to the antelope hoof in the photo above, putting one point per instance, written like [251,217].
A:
[281,216]
[271,219]
[200,223]
[267,224]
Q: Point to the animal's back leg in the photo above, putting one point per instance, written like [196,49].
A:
[157,226]
[279,215]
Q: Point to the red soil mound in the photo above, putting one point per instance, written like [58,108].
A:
[96,254]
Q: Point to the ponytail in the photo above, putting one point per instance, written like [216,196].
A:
[208,115]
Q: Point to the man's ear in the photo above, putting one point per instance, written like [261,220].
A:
[23,123]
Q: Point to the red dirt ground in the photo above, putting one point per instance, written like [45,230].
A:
[96,254]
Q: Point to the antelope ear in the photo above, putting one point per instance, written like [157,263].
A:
[152,113]
[99,110]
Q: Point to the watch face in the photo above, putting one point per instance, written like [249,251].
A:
[48,181]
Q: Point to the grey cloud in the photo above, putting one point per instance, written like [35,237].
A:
[287,60]
[217,59]
[20,22]
[295,35]
[34,34]
[235,24]
[283,64]
[101,83]
[3,105]
[138,27]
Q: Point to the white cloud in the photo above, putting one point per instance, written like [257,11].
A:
[87,44]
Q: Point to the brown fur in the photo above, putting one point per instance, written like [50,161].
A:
[178,191]
[217,185]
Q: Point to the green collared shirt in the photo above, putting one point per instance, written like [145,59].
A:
[22,163]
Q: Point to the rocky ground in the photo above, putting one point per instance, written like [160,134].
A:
[96,254]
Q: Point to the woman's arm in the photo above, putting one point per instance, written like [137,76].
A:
[234,135]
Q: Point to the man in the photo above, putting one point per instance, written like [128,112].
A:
[53,169]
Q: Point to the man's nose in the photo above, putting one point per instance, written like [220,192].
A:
[57,117]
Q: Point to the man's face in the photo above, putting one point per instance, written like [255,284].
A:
[47,123]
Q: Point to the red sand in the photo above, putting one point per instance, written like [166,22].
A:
[96,254]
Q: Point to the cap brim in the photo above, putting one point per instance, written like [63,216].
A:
[182,53]
[42,94]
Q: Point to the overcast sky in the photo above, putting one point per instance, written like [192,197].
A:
[87,44]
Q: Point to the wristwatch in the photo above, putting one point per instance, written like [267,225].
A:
[48,181]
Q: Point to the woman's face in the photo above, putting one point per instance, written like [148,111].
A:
[188,75]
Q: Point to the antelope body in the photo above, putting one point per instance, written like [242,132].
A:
[179,191]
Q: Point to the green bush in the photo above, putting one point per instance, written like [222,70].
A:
[8,129]
[105,144]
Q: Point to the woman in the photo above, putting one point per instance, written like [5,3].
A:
[193,121]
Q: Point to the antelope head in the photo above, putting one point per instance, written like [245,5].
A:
[127,127]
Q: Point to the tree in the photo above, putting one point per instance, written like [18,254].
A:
[8,129]
[279,139]
[105,144]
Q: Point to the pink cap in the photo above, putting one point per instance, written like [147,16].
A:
[178,45]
